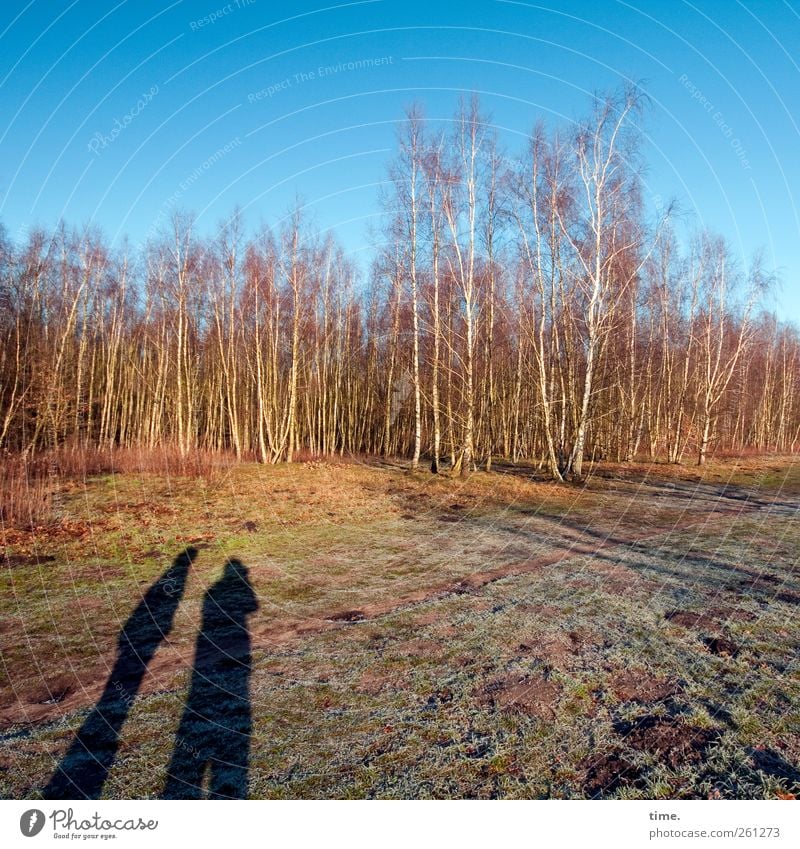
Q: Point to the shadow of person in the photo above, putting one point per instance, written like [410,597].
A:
[214,733]
[84,768]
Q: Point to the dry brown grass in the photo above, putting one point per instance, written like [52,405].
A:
[25,493]
[28,483]
[81,462]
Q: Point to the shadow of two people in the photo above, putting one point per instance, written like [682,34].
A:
[213,736]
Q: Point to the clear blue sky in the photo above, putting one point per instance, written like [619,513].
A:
[188,78]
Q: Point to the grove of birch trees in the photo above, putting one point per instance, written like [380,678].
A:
[516,308]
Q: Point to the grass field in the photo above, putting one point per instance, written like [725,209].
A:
[403,635]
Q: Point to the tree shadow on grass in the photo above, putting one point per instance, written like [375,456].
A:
[212,744]
[84,769]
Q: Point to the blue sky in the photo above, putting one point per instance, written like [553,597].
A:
[114,112]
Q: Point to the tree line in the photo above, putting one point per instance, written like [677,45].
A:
[524,308]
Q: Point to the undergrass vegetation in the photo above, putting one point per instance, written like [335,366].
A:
[430,637]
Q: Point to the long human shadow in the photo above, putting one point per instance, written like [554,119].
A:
[84,769]
[212,744]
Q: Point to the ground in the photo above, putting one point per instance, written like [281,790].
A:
[419,636]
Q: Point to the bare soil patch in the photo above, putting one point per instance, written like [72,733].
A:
[688,619]
[348,616]
[27,560]
[639,687]
[609,772]
[434,617]
[774,764]
[732,614]
[721,646]
[526,694]
[674,742]
[52,691]
[559,648]
[371,682]
[788,597]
